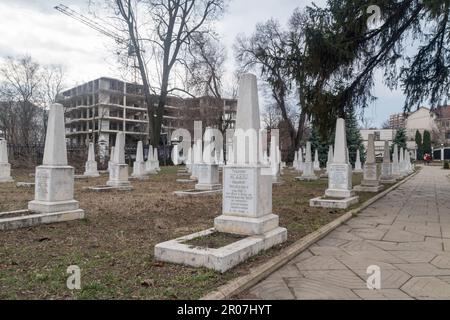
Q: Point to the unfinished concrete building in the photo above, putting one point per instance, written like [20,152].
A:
[97,110]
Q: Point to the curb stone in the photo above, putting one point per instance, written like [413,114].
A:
[261,272]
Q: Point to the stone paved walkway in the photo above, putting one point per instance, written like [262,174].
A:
[406,234]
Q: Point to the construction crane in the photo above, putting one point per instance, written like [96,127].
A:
[101,29]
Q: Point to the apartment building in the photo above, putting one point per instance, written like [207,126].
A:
[397,121]
[97,110]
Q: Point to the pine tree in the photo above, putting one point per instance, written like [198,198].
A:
[321,144]
[399,139]
[426,145]
[419,145]
[354,138]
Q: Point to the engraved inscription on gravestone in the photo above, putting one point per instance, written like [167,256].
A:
[42,182]
[370,172]
[339,177]
[239,191]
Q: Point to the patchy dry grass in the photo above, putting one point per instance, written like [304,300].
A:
[114,245]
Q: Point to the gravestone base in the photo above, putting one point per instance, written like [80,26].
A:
[54,190]
[118,176]
[387,180]
[80,177]
[109,188]
[185,181]
[197,193]
[333,203]
[369,188]
[5,173]
[307,178]
[221,259]
[139,171]
[54,206]
[91,169]
[183,174]
[139,178]
[206,187]
[358,170]
[30,218]
[246,225]
[150,167]
[279,182]
[25,184]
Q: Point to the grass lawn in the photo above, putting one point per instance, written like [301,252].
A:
[114,245]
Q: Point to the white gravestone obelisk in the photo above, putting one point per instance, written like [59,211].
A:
[247,199]
[208,168]
[247,189]
[308,166]
[139,171]
[329,162]
[300,160]
[54,179]
[370,182]
[5,166]
[401,163]
[358,164]
[111,159]
[118,175]
[295,163]
[386,166]
[275,160]
[340,193]
[91,169]
[316,161]
[395,164]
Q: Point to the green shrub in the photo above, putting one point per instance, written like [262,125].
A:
[446,165]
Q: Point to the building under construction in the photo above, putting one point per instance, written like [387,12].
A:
[97,110]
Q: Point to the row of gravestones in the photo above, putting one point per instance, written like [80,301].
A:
[246,199]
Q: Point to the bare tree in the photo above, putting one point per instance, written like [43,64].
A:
[206,66]
[21,82]
[26,91]
[161,33]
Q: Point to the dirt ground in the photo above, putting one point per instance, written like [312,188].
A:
[114,245]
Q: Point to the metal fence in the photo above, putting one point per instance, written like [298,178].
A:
[21,156]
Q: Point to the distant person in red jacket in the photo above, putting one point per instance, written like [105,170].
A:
[427,158]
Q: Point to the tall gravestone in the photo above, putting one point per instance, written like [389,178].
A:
[358,164]
[189,160]
[386,166]
[139,171]
[308,166]
[91,169]
[111,159]
[54,179]
[118,175]
[395,164]
[275,160]
[328,163]
[316,160]
[370,182]
[246,204]
[156,160]
[5,166]
[401,163]
[300,160]
[340,193]
[295,163]
[408,168]
[208,169]
[247,189]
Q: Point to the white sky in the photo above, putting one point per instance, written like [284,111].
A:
[33,27]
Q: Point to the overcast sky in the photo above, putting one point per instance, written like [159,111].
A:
[33,27]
